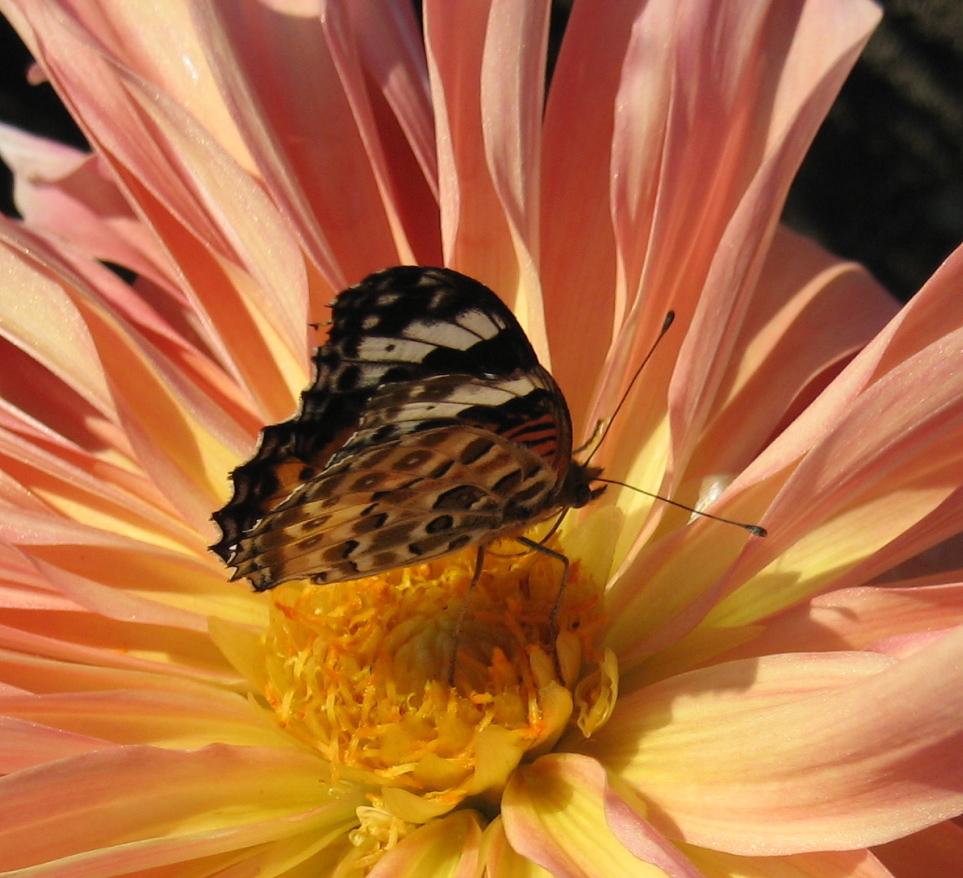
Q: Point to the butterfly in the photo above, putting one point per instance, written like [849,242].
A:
[429,426]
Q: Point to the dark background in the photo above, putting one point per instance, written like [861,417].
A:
[883,182]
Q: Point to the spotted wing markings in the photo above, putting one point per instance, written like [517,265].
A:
[503,405]
[416,500]
[418,360]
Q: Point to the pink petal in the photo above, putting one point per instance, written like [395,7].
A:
[805,289]
[324,183]
[796,753]
[576,176]
[512,101]
[597,832]
[177,438]
[186,655]
[44,671]
[869,478]
[39,317]
[89,489]
[381,43]
[234,251]
[822,39]
[133,808]
[63,191]
[490,81]
[159,43]
[723,163]
[804,293]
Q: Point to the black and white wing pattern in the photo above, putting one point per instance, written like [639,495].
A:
[429,426]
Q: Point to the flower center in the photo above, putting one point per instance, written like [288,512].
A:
[362,671]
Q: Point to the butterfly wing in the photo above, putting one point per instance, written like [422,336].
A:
[417,499]
[462,467]
[411,350]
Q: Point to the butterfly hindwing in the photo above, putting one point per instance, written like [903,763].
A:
[423,368]
[411,500]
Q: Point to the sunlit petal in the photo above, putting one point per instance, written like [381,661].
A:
[760,788]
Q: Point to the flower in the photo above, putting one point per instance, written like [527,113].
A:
[779,706]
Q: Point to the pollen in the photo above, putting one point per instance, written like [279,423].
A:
[432,690]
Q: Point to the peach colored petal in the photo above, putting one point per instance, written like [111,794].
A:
[182,453]
[512,98]
[132,808]
[183,180]
[24,744]
[157,40]
[796,753]
[597,833]
[123,595]
[824,864]
[252,284]
[99,306]
[576,176]
[931,853]
[920,325]
[668,589]
[117,627]
[306,142]
[379,55]
[391,51]
[37,316]
[887,464]
[65,192]
[81,488]
[41,671]
[891,620]
[857,618]
[444,847]
[753,171]
[101,646]
[27,386]
[808,289]
[499,49]
[873,450]
[708,271]
[23,586]
[189,718]
[724,280]
[160,317]
[811,315]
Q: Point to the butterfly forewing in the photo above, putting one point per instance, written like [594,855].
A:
[429,426]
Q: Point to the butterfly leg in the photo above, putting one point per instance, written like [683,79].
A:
[558,556]
[456,635]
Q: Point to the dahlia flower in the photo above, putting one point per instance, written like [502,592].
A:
[714,704]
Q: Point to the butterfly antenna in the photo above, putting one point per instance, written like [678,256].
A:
[754,529]
[666,323]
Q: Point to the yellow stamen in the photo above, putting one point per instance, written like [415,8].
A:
[359,671]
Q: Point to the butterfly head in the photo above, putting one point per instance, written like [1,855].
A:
[577,490]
